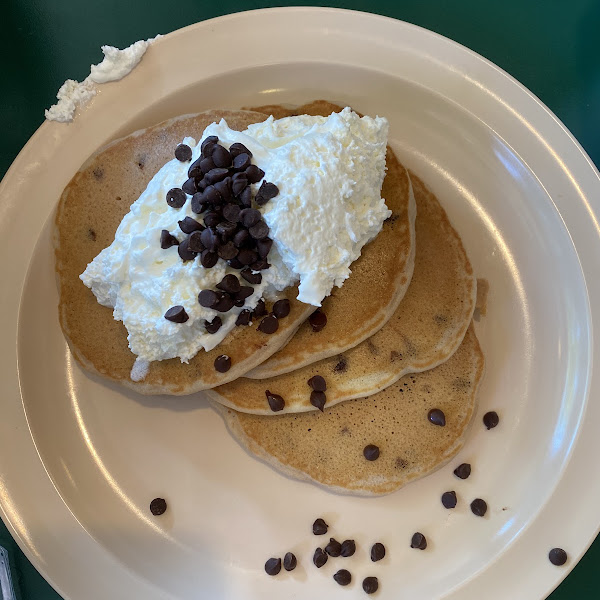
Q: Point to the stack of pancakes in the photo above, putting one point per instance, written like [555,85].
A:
[397,344]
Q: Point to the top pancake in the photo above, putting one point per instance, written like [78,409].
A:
[379,280]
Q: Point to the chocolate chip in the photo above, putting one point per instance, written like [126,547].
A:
[437,417]
[370,585]
[215,175]
[320,527]
[246,197]
[244,292]
[189,225]
[276,402]
[189,187]
[176,197]
[449,499]
[348,548]
[269,324]
[236,148]
[260,265]
[208,141]
[377,551]
[254,174]
[212,219]
[208,298]
[463,471]
[221,156]
[247,256]
[250,217]
[185,253]
[197,203]
[418,541]
[289,561]
[557,556]
[167,240]
[230,283]
[479,507]
[222,363]
[207,149]
[281,309]
[273,566]
[371,452]
[491,419]
[206,165]
[265,193]
[334,548]
[224,189]
[343,577]
[232,212]
[209,239]
[319,558]
[263,246]
[250,277]
[227,251]
[259,231]
[183,153]
[260,309]
[195,169]
[208,259]
[241,162]
[318,399]
[241,237]
[176,314]
[224,304]
[317,382]
[214,325]
[195,242]
[234,263]
[240,183]
[317,320]
[243,318]
[226,229]
[158,506]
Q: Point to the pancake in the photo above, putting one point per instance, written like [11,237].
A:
[327,448]
[89,212]
[425,330]
[352,314]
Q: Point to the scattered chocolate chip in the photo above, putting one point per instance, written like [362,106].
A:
[208,143]
[263,246]
[371,452]
[226,229]
[241,237]
[195,169]
[224,304]
[241,162]
[317,320]
[334,548]
[273,566]
[176,314]
[276,402]
[208,259]
[317,383]
[418,541]
[250,277]
[557,556]
[158,506]
[183,153]
[463,471]
[237,148]
[318,399]
[320,527]
[281,309]
[243,318]
[232,212]
[449,499]
[211,195]
[227,251]
[377,551]
[479,507]
[254,174]
[176,197]
[260,265]
[230,283]
[167,240]
[247,256]
[185,253]
[246,197]
[214,325]
[222,363]
[269,324]
[197,203]
[189,187]
[244,292]
[289,561]
[260,309]
[195,242]
[265,193]
[189,225]
[491,419]
[221,156]
[370,585]
[348,548]
[234,263]
[250,217]
[436,417]
[224,189]
[319,558]
[259,231]
[215,175]
[343,577]
[239,184]
[209,239]
[208,298]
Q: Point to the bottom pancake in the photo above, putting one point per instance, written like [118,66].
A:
[327,447]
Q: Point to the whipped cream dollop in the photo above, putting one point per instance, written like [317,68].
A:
[329,171]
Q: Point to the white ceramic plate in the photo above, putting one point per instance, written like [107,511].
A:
[80,460]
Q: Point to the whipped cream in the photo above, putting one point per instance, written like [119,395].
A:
[329,171]
[116,64]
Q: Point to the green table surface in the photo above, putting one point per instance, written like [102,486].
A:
[551,46]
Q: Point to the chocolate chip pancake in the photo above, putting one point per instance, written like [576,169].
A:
[425,330]
[375,445]
[362,306]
